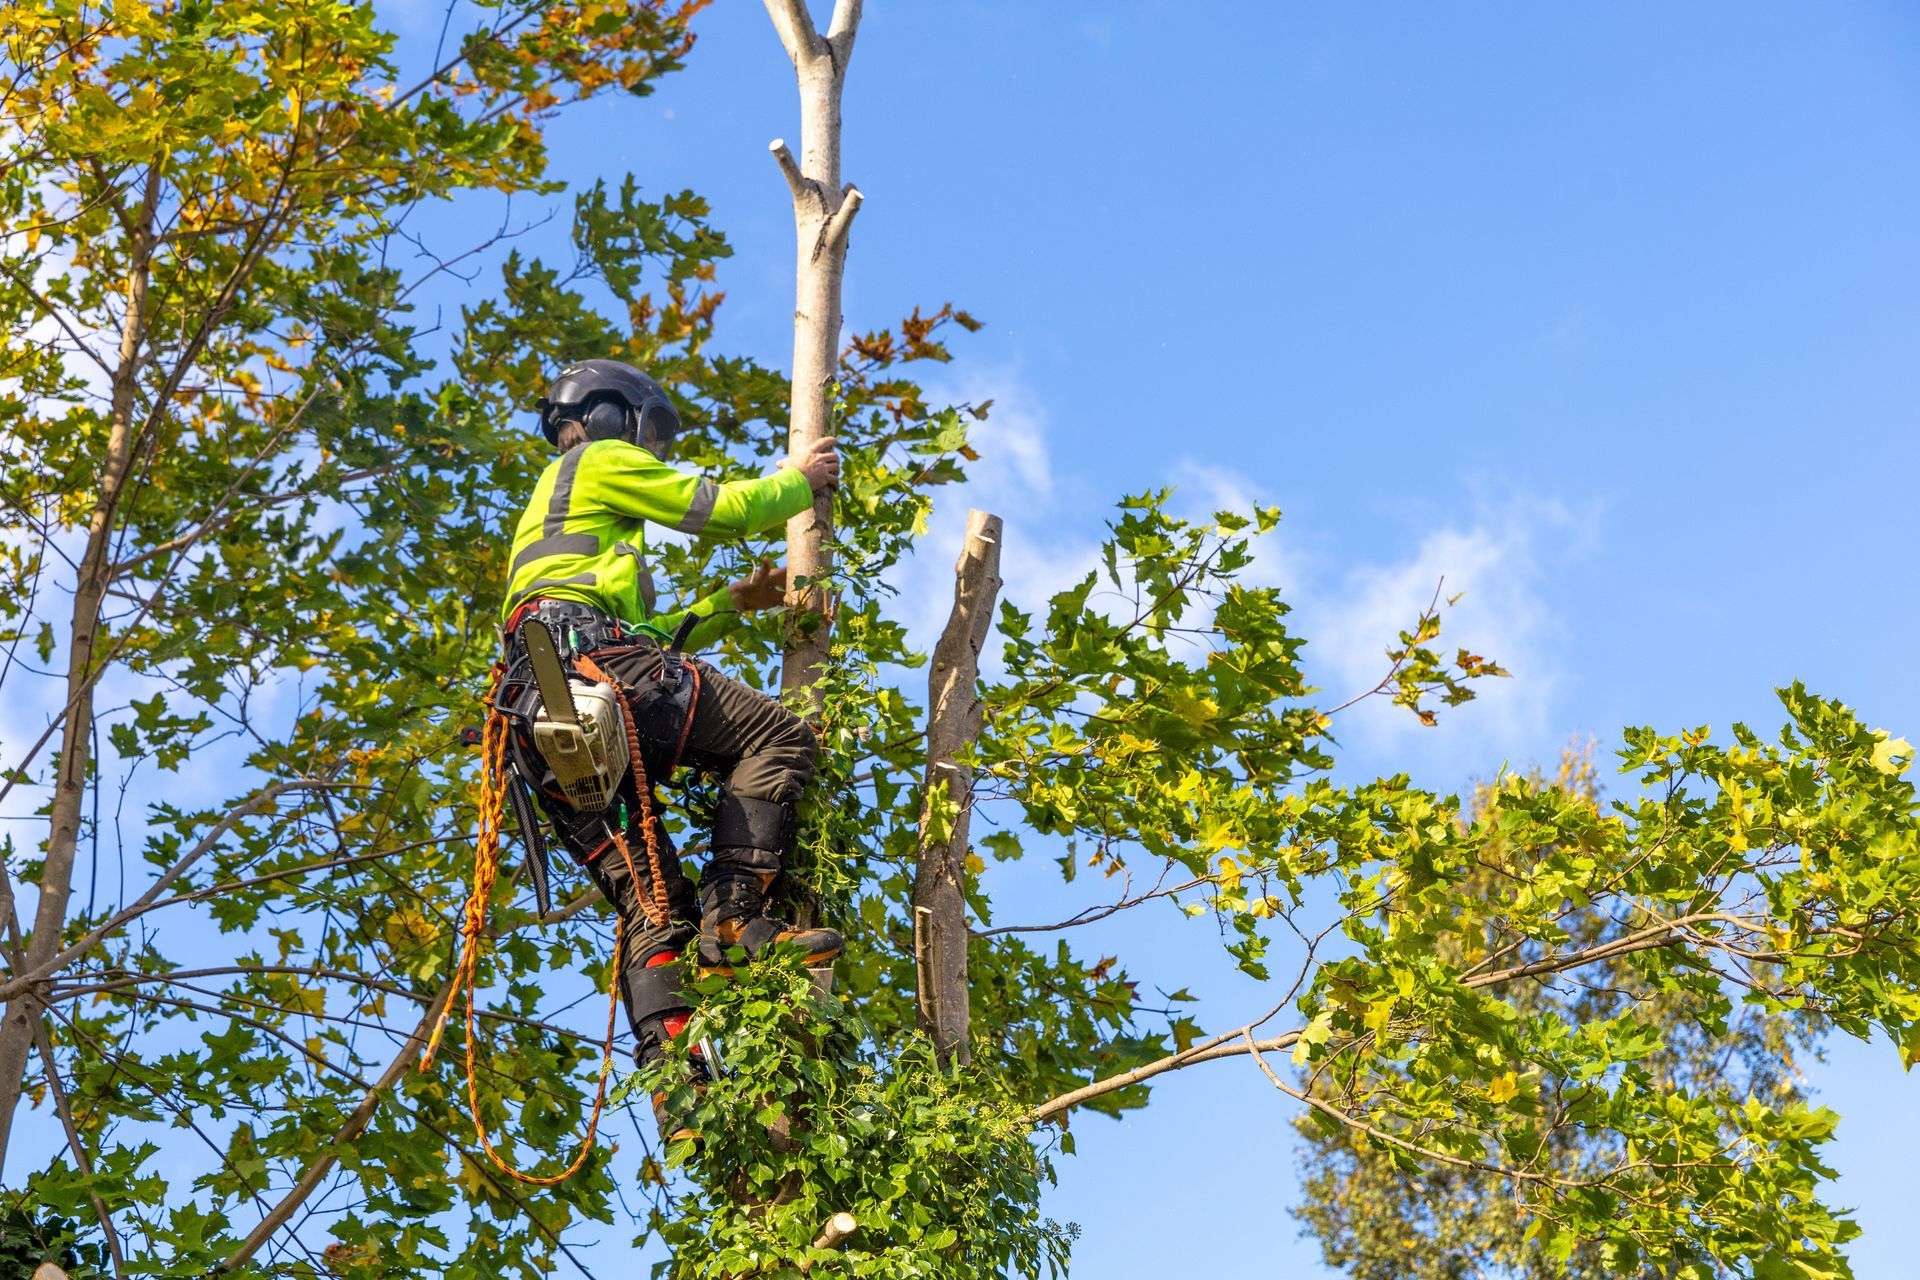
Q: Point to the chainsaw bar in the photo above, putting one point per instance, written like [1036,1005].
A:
[535,840]
[548,672]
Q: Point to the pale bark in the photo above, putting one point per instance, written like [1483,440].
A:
[822,213]
[954,713]
[1211,1051]
[95,571]
[833,1235]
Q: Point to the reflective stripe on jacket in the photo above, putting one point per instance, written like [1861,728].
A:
[581,536]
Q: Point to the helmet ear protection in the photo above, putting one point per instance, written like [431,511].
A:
[605,418]
[611,400]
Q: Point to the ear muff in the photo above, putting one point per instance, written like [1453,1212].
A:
[606,420]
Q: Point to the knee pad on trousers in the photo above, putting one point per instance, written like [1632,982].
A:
[652,992]
[743,822]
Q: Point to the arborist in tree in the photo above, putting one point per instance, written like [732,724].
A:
[580,592]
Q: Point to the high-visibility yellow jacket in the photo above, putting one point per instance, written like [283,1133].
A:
[582,535]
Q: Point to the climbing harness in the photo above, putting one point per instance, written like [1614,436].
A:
[502,785]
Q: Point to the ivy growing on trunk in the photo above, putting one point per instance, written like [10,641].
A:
[255,539]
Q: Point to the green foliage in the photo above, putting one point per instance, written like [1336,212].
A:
[937,1166]
[26,1241]
[302,589]
[291,523]
[1753,878]
[1379,1220]
[1172,724]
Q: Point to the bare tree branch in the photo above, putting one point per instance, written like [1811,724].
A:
[1663,935]
[356,1124]
[844,25]
[1091,914]
[797,182]
[822,210]
[19,982]
[834,236]
[954,712]
[797,33]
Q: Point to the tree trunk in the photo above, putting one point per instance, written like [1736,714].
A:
[70,785]
[953,724]
[822,212]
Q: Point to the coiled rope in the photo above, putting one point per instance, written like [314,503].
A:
[491,798]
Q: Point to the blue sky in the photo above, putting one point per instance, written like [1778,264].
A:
[1607,313]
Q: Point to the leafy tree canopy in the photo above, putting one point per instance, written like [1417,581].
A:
[255,544]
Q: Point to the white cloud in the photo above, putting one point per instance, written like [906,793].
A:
[1495,564]
[1201,490]
[1496,560]
[1014,480]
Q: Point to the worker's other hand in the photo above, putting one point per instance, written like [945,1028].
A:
[819,462]
[764,588]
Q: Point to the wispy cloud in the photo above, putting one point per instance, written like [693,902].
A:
[1014,479]
[1495,558]
[1495,564]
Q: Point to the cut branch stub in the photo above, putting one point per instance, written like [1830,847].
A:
[953,724]
[801,189]
[833,1235]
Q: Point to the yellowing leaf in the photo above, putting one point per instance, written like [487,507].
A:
[1503,1088]
[406,929]
[1319,1031]
[1193,708]
[1893,755]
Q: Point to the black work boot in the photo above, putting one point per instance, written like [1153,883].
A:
[733,913]
[653,1036]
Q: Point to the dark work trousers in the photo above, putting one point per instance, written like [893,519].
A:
[757,749]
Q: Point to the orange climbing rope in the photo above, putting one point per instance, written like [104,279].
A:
[486,869]
[659,911]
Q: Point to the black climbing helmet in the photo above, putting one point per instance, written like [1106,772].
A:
[613,401]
